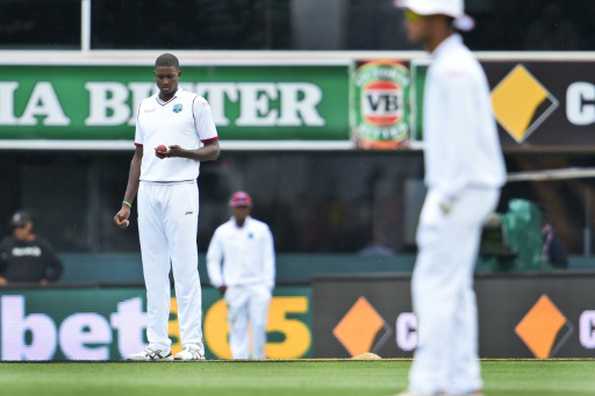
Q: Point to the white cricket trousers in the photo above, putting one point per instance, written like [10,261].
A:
[247,304]
[446,359]
[167,227]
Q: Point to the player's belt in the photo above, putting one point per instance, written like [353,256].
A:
[190,181]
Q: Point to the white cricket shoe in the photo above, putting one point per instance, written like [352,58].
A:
[151,354]
[190,352]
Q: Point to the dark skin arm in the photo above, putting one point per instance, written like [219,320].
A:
[209,152]
[120,219]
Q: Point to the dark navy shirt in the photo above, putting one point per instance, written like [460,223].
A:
[28,261]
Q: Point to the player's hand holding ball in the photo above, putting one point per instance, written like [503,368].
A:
[161,151]
[176,151]
[121,218]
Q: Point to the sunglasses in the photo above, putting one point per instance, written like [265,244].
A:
[411,16]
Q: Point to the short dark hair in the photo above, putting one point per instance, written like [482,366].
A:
[167,60]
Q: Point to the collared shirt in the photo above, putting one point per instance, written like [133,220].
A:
[185,120]
[461,142]
[242,255]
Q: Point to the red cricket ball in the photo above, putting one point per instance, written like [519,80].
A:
[162,149]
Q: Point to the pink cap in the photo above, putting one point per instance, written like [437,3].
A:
[240,199]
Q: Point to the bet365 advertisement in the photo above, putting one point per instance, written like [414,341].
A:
[109,324]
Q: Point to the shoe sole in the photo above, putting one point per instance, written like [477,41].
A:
[165,359]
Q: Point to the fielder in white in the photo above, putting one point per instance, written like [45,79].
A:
[241,264]
[464,173]
[174,133]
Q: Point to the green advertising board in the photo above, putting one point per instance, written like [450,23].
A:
[419,71]
[109,324]
[279,102]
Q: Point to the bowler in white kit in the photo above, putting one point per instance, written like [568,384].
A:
[464,173]
[174,133]
[241,264]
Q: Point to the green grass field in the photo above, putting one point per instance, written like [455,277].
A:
[300,378]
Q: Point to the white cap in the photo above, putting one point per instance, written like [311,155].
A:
[451,8]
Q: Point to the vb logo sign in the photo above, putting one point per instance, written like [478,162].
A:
[382,103]
[379,115]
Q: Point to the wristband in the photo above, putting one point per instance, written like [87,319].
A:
[125,202]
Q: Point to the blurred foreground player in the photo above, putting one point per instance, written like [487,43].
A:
[177,130]
[464,173]
[241,264]
[26,258]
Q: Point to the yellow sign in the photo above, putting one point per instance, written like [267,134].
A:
[173,328]
[296,341]
[521,103]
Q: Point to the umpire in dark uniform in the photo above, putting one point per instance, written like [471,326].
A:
[26,258]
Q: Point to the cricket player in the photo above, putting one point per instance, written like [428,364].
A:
[464,172]
[174,133]
[241,264]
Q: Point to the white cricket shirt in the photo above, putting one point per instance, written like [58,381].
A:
[185,120]
[242,255]
[461,147]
